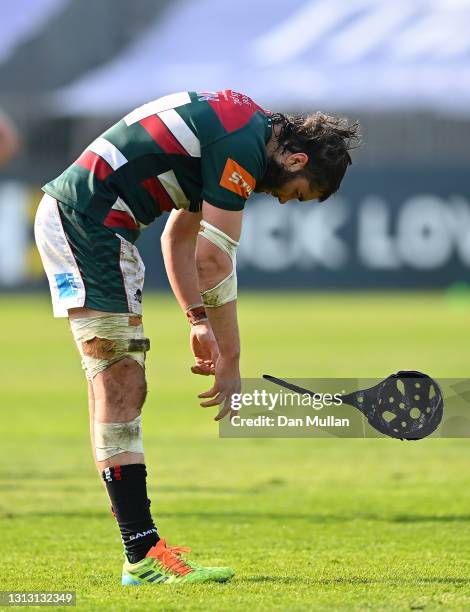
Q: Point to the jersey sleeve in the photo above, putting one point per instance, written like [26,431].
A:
[231,167]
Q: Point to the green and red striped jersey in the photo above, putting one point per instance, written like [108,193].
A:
[169,154]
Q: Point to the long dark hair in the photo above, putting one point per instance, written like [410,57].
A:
[326,140]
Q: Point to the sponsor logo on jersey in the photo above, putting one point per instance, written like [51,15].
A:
[205,96]
[235,178]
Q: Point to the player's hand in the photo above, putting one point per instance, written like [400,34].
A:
[204,348]
[227,382]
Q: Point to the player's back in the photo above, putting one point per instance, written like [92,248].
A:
[170,153]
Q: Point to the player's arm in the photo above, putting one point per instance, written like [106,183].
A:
[230,167]
[178,247]
[215,264]
[9,141]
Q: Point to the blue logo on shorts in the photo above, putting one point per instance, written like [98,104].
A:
[66,285]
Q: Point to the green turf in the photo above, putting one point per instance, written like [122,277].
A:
[307,524]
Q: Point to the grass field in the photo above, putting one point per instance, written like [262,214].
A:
[307,524]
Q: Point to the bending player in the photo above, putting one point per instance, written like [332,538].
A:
[199,155]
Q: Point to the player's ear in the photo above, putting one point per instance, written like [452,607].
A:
[296,161]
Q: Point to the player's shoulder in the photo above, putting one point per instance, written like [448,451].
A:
[235,159]
[225,112]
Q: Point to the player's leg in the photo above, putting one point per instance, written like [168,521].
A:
[108,344]
[115,395]
[91,399]
[128,458]
[119,390]
[96,278]
[119,394]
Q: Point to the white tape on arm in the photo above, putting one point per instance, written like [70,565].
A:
[226,290]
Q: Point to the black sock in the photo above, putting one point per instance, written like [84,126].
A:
[127,490]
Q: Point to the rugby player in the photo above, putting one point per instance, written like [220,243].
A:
[198,156]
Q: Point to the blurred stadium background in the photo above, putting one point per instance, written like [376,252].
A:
[309,524]
[69,69]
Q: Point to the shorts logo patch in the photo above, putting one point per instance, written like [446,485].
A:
[66,284]
[237,179]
